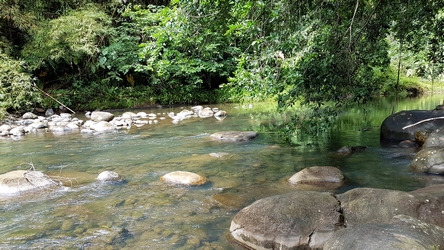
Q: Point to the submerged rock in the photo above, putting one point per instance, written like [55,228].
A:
[219,154]
[346,150]
[183,178]
[15,182]
[234,135]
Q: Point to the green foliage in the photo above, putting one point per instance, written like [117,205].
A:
[72,41]
[16,89]
[323,55]
[179,50]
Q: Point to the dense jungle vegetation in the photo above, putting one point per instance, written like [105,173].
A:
[102,54]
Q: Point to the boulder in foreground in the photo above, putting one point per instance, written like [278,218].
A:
[298,220]
[402,233]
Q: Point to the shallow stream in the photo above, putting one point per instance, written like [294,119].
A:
[143,213]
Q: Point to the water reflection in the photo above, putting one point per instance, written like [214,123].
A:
[143,213]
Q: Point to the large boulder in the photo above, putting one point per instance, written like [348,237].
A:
[18,181]
[183,178]
[317,175]
[234,135]
[98,116]
[370,205]
[435,139]
[402,233]
[394,127]
[431,207]
[297,220]
[429,160]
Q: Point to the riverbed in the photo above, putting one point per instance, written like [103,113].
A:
[143,213]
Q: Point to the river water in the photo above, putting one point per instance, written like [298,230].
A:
[143,213]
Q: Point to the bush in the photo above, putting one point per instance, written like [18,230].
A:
[16,87]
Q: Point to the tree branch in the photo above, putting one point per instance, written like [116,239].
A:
[422,121]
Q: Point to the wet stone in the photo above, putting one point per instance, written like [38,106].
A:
[183,178]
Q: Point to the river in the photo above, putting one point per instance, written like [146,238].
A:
[143,213]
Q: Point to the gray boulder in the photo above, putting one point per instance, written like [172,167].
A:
[234,135]
[393,128]
[402,233]
[18,181]
[370,205]
[298,220]
[435,138]
[431,200]
[429,160]
[49,112]
[98,116]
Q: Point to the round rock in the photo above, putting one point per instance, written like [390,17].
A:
[98,116]
[183,178]
[29,115]
[109,176]
[18,181]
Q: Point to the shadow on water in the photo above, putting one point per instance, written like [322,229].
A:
[144,213]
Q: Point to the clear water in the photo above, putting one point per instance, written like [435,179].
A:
[144,213]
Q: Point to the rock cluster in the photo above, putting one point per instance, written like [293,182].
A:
[99,121]
[418,128]
[362,218]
